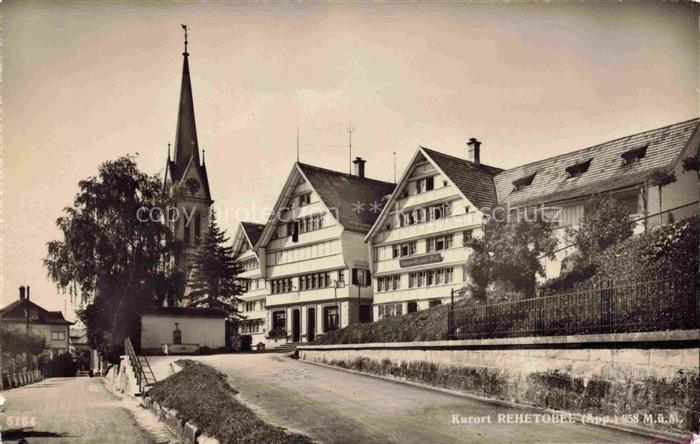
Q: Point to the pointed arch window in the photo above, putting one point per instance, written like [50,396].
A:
[197,228]
[186,231]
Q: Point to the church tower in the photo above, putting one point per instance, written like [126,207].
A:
[186,178]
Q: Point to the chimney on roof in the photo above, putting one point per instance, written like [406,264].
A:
[22,294]
[359,168]
[474,151]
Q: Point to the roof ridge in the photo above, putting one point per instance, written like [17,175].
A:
[340,173]
[474,164]
[599,144]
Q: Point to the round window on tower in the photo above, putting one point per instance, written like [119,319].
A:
[193,185]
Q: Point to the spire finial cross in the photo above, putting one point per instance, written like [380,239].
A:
[186,29]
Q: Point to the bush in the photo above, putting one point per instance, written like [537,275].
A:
[668,250]
[246,341]
[60,366]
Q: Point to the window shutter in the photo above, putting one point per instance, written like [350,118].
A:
[354,276]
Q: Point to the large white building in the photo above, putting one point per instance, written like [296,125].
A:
[417,243]
[312,252]
[252,306]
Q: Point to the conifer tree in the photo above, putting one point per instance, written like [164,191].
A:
[214,281]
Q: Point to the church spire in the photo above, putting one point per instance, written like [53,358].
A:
[186,145]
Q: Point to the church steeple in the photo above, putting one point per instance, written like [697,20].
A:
[186,144]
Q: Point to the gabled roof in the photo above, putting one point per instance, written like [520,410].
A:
[253,232]
[351,196]
[475,181]
[16,311]
[606,171]
[347,197]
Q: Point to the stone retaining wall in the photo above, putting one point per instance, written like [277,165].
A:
[643,373]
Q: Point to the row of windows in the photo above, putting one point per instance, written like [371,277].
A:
[307,282]
[419,279]
[425,214]
[427,278]
[387,283]
[252,327]
[281,285]
[253,305]
[421,186]
[304,225]
[326,248]
[432,244]
[253,284]
[403,250]
[316,280]
[396,309]
[438,243]
[58,336]
[249,264]
[331,319]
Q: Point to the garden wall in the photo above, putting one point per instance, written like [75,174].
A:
[651,373]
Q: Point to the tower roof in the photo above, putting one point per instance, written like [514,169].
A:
[186,144]
[186,154]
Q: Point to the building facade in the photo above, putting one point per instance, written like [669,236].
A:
[620,167]
[51,325]
[182,329]
[417,243]
[312,252]
[253,300]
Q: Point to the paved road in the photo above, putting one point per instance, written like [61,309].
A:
[335,406]
[69,410]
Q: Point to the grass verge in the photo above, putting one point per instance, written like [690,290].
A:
[201,395]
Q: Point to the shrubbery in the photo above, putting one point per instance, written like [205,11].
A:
[668,250]
[61,365]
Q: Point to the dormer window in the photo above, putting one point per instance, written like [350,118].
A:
[523,182]
[577,169]
[631,156]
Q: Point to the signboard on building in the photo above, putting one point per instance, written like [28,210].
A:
[421,260]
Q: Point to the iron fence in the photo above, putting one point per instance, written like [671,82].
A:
[597,307]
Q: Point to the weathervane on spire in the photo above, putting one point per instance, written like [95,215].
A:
[185,28]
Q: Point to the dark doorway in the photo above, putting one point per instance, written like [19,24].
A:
[296,325]
[365,313]
[412,307]
[311,324]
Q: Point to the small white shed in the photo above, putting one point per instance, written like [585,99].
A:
[182,329]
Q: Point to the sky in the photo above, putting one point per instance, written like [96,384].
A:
[86,82]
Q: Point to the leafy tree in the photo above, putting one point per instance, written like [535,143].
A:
[660,178]
[16,342]
[113,252]
[214,280]
[509,253]
[692,163]
[605,223]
